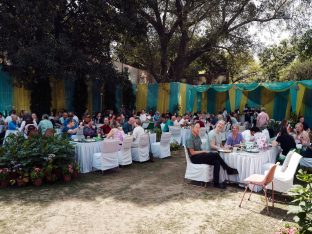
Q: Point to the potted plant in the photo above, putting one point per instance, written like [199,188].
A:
[76,170]
[4,175]
[48,172]
[22,178]
[36,176]
[68,170]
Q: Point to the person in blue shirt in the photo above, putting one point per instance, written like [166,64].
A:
[71,128]
[13,124]
[169,122]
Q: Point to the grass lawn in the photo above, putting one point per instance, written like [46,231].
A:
[141,198]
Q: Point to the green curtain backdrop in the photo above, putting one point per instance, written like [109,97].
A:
[6,92]
[152,94]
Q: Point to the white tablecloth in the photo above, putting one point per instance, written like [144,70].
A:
[247,163]
[185,134]
[84,154]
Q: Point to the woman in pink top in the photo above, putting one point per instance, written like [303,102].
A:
[116,132]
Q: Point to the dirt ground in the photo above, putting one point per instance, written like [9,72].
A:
[141,198]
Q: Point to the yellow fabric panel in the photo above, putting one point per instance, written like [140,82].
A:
[243,100]
[204,102]
[182,98]
[141,97]
[220,101]
[232,98]
[195,103]
[89,104]
[58,94]
[163,97]
[21,99]
[267,101]
[300,95]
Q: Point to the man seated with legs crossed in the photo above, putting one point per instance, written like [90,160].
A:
[198,156]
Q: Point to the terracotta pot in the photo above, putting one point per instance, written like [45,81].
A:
[67,178]
[49,178]
[4,183]
[37,182]
[75,174]
[20,182]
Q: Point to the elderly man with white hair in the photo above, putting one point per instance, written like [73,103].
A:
[215,136]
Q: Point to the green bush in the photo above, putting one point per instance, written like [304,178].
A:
[301,206]
[174,146]
[19,152]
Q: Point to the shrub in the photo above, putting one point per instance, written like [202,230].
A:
[301,206]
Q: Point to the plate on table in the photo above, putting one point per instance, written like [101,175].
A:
[89,140]
[225,150]
[253,150]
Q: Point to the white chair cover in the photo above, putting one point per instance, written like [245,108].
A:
[9,132]
[267,166]
[176,134]
[108,158]
[141,153]
[197,172]
[162,126]
[124,154]
[283,181]
[267,134]
[162,149]
[246,135]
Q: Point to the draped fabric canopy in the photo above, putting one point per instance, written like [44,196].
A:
[279,98]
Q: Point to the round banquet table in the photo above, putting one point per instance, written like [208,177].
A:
[247,164]
[84,154]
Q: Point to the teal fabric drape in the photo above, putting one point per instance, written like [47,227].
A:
[152,96]
[278,86]
[69,87]
[211,104]
[238,97]
[222,88]
[174,96]
[190,94]
[308,107]
[280,104]
[306,83]
[293,97]
[6,93]
[96,96]
[199,101]
[254,97]
[227,102]
[247,87]
[201,88]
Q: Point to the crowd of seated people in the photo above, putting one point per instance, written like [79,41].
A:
[112,125]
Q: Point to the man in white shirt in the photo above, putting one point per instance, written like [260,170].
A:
[182,121]
[143,116]
[137,132]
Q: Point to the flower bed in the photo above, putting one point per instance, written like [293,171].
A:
[36,160]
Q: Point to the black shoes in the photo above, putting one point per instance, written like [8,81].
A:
[231,171]
[220,186]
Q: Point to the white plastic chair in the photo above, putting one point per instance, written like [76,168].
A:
[176,134]
[162,149]
[124,154]
[197,172]
[108,157]
[283,180]
[140,153]
[267,166]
